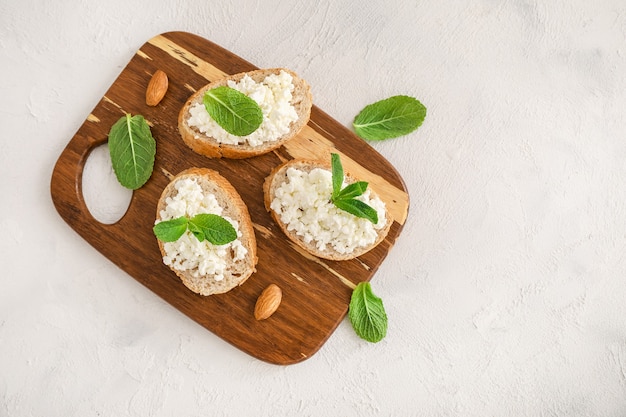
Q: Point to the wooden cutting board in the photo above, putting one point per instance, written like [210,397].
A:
[316,292]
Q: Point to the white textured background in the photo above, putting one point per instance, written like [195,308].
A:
[506,291]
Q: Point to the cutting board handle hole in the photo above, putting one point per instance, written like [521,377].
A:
[106,199]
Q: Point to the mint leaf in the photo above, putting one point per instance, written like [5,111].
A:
[358,209]
[170,230]
[389,118]
[132,150]
[344,199]
[196,231]
[367,313]
[234,111]
[337,173]
[353,190]
[217,230]
[211,227]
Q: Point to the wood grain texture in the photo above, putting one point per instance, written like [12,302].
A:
[316,292]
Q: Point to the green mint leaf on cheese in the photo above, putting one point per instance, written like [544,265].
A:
[337,173]
[170,230]
[217,230]
[367,313]
[353,190]
[196,231]
[389,118]
[132,149]
[234,111]
[210,227]
[344,199]
[357,208]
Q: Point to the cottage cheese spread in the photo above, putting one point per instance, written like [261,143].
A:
[303,204]
[273,95]
[188,253]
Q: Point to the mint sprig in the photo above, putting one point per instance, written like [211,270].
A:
[367,313]
[389,118]
[211,227]
[344,199]
[132,149]
[171,230]
[234,111]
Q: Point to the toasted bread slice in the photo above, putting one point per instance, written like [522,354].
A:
[188,267]
[307,237]
[213,148]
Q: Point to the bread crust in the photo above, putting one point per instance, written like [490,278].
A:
[278,176]
[210,147]
[235,208]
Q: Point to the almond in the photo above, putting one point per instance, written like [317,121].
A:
[268,302]
[157,87]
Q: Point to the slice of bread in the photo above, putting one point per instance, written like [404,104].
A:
[210,147]
[237,271]
[278,176]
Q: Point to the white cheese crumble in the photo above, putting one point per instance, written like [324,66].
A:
[273,95]
[188,253]
[304,206]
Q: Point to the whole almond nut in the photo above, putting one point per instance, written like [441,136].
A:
[268,302]
[157,87]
